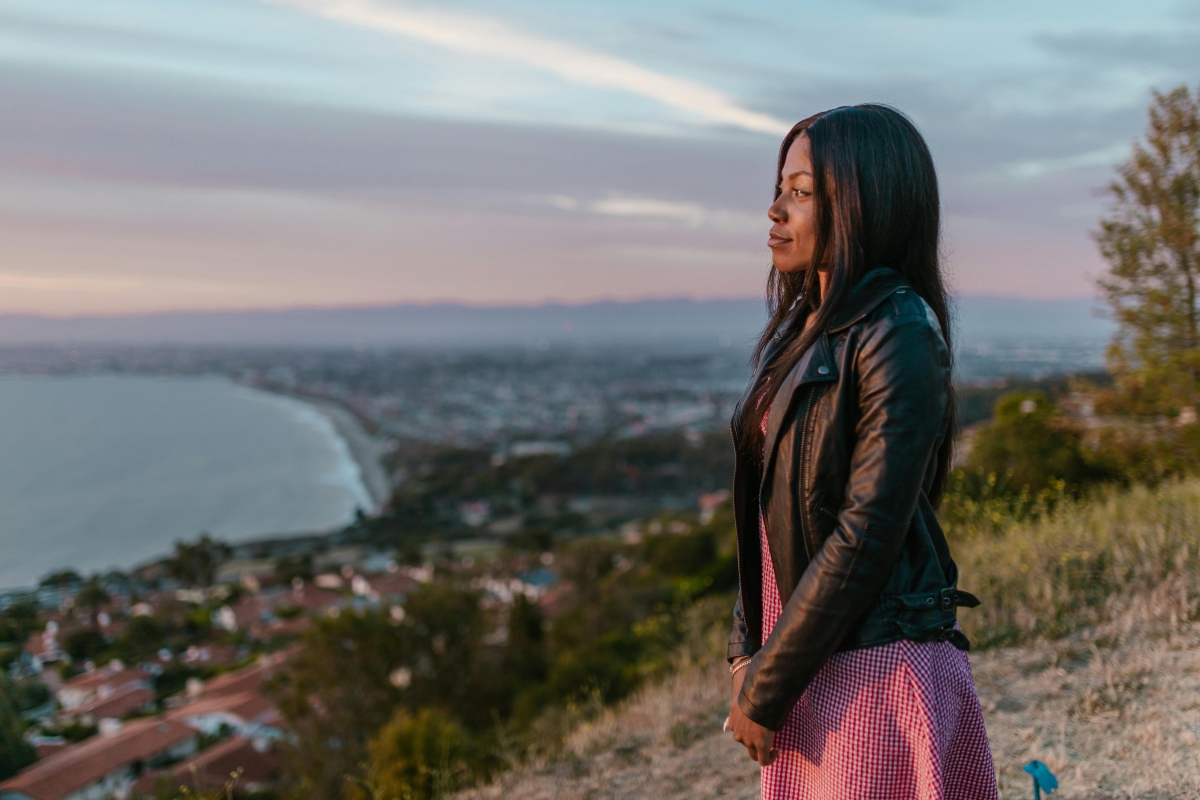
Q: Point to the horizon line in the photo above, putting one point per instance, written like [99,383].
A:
[472,305]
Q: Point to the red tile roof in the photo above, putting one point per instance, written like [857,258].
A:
[118,705]
[79,766]
[246,679]
[247,706]
[92,681]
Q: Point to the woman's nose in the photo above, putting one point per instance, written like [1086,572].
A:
[776,213]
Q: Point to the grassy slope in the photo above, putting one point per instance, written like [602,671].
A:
[1113,715]
[1103,683]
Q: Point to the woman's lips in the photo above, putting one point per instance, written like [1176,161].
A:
[776,241]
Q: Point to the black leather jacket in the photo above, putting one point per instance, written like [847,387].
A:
[849,458]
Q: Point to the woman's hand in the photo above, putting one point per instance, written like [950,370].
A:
[755,737]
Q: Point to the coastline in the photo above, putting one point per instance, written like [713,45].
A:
[365,449]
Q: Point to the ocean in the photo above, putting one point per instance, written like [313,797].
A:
[108,471]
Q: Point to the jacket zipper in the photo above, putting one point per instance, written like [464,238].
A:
[804,445]
[737,526]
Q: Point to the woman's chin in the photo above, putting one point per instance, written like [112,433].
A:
[783,265]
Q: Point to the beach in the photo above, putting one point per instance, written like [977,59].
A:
[366,450]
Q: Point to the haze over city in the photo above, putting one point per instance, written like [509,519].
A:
[240,154]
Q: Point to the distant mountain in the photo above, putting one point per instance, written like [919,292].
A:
[726,322]
[984,319]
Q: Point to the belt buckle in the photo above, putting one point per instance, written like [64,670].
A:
[948,600]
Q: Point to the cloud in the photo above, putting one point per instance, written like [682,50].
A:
[692,215]
[1039,168]
[110,283]
[86,283]
[688,214]
[1174,49]
[488,38]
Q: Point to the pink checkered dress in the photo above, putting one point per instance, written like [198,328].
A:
[896,722]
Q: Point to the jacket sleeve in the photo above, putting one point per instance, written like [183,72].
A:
[902,370]
[740,643]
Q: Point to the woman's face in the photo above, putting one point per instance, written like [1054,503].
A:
[793,236]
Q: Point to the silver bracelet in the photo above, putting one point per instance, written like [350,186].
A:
[738,664]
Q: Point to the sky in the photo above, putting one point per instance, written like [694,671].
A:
[233,154]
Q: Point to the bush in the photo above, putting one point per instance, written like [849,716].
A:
[84,644]
[144,636]
[976,502]
[15,752]
[1148,453]
[422,755]
[1031,446]
[29,693]
[686,554]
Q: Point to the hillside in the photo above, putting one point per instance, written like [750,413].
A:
[1096,669]
[1111,711]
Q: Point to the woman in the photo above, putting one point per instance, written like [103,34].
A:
[851,679]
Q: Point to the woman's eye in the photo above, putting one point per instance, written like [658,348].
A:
[801,192]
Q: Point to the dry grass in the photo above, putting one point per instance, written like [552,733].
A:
[1132,552]
[1113,712]
[1104,686]
[663,743]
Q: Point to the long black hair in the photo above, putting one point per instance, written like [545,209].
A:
[876,203]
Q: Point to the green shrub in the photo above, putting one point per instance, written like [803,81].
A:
[1031,446]
[419,757]
[84,643]
[680,554]
[15,752]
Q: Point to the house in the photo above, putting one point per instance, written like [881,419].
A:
[212,655]
[100,684]
[260,614]
[249,713]
[251,573]
[103,766]
[347,555]
[45,648]
[389,586]
[128,699]
[246,679]
[233,701]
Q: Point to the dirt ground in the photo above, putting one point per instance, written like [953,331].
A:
[1114,712]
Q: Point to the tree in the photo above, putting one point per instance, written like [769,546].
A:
[1151,240]
[1027,444]
[62,579]
[84,644]
[196,564]
[18,621]
[288,568]
[144,636]
[15,752]
[335,695]
[92,597]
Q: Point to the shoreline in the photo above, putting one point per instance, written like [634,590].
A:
[365,449]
